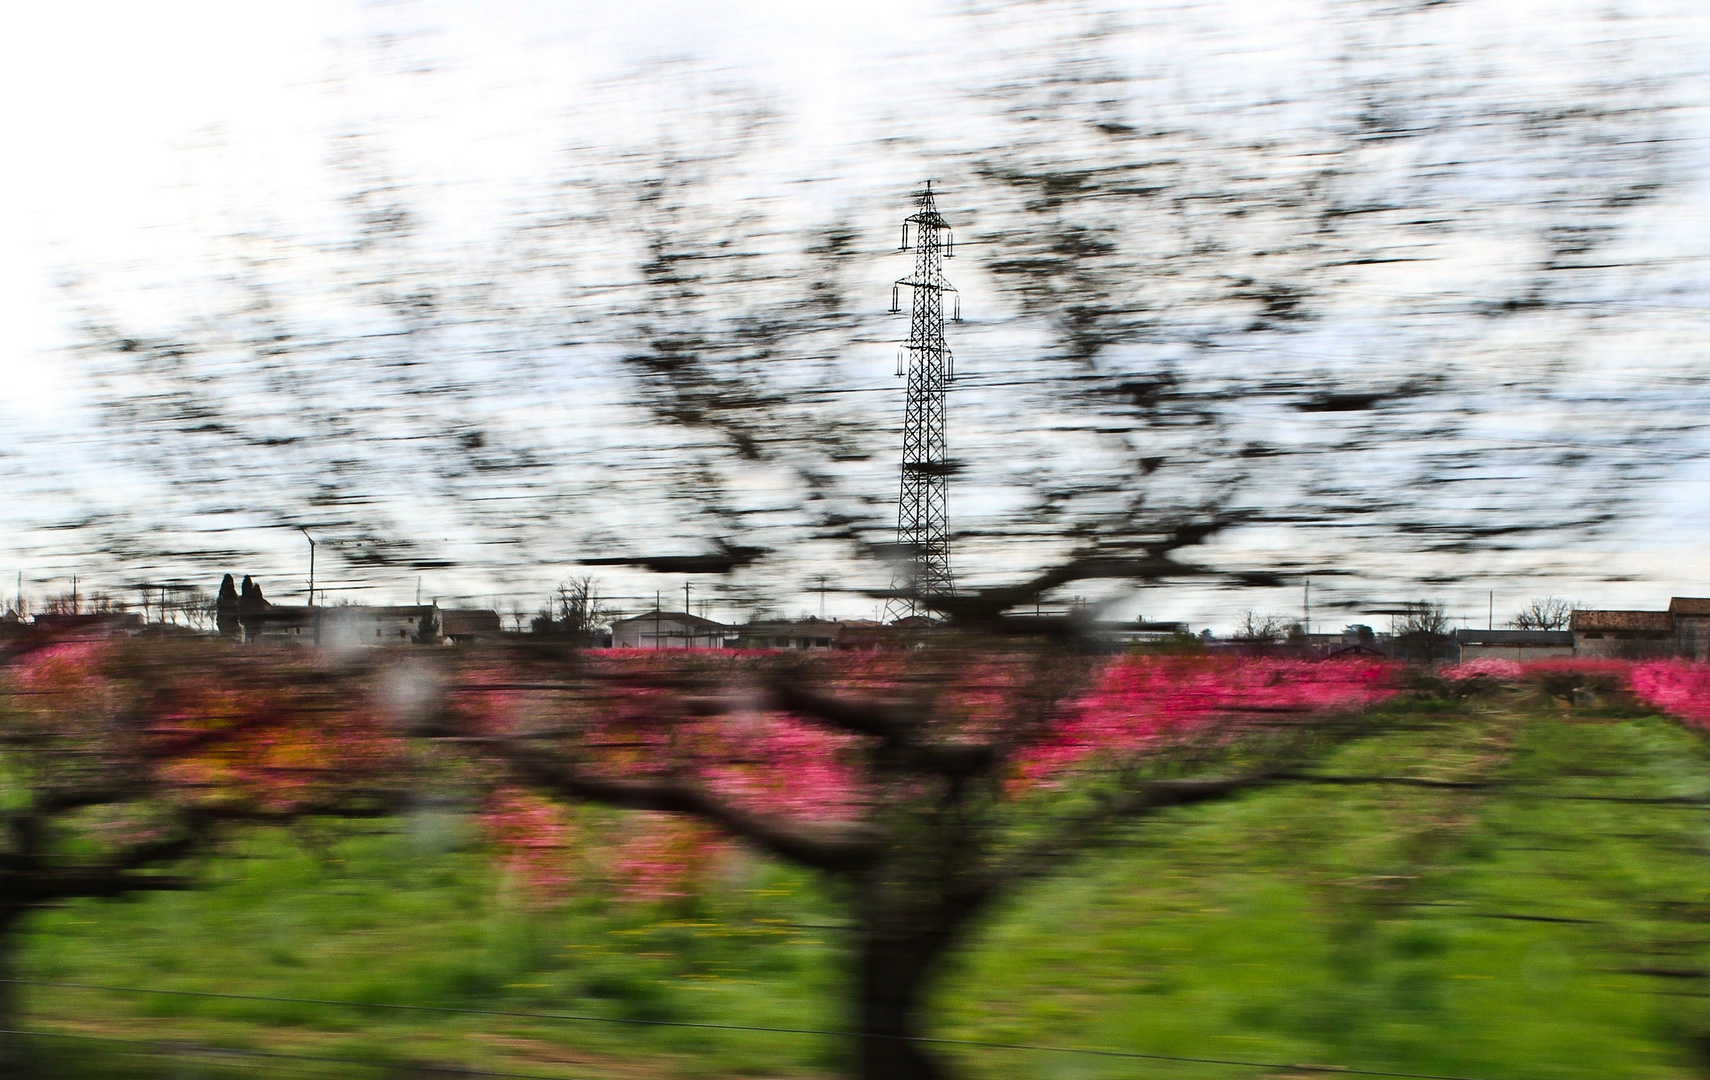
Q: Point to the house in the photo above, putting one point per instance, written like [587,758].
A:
[798,634]
[1517,645]
[1622,634]
[463,625]
[1355,650]
[275,622]
[89,625]
[1121,635]
[1691,616]
[345,626]
[670,630]
[361,624]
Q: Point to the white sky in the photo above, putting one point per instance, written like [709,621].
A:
[113,108]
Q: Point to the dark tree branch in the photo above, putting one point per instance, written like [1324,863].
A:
[1393,781]
[824,846]
[858,715]
[96,882]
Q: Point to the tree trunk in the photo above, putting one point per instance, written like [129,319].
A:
[11,1050]
[895,970]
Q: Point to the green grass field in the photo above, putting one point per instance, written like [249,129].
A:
[1553,922]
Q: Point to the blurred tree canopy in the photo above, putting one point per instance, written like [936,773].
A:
[1371,298]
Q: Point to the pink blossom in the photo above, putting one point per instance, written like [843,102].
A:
[1678,687]
[1140,701]
[666,858]
[533,839]
[1487,667]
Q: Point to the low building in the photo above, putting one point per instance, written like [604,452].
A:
[345,626]
[1691,615]
[1622,634]
[795,634]
[276,622]
[670,630]
[464,625]
[89,624]
[1517,645]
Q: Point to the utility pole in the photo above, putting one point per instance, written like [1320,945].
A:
[311,541]
[1490,615]
[688,631]
[1308,630]
[923,520]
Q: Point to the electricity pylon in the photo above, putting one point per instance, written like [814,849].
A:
[923,518]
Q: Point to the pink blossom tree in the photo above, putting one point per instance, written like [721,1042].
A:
[928,785]
[120,759]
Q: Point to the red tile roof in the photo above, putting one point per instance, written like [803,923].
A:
[1623,620]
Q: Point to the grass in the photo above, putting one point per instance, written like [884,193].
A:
[1547,925]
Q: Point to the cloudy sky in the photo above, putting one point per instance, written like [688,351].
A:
[143,134]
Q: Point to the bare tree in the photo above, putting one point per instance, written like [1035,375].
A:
[1545,613]
[577,613]
[1259,628]
[1420,619]
[1168,276]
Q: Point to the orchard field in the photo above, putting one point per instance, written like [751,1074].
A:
[1508,877]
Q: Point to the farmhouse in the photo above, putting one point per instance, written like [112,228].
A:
[1691,616]
[670,630]
[1623,634]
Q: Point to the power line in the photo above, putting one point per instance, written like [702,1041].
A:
[977,1044]
[177,1049]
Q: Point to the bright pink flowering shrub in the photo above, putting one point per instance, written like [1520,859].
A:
[1139,701]
[1678,687]
[1484,668]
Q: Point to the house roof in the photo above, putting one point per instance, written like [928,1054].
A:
[302,614]
[1353,651]
[1689,605]
[809,627]
[680,617]
[1534,638]
[281,614]
[1622,620]
[377,611]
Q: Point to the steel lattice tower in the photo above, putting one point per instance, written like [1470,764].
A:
[923,519]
